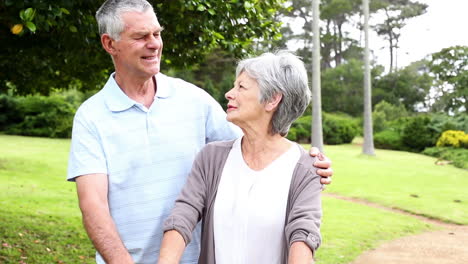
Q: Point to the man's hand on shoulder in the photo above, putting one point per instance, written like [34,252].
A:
[323,164]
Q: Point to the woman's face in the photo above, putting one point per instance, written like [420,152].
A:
[244,101]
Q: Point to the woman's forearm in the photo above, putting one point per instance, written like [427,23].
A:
[300,253]
[172,248]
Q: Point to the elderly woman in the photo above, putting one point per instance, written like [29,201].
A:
[258,196]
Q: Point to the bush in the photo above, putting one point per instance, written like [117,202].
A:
[339,129]
[43,117]
[443,122]
[388,139]
[453,138]
[384,113]
[418,135]
[300,130]
[8,111]
[458,156]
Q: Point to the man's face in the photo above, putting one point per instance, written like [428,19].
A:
[138,52]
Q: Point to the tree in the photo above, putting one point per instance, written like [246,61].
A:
[408,86]
[396,12]
[342,88]
[450,68]
[336,46]
[368,146]
[55,43]
[336,13]
[317,137]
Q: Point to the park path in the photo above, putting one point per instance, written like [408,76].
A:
[446,246]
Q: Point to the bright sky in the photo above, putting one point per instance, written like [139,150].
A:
[443,25]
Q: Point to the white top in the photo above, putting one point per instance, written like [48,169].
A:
[250,208]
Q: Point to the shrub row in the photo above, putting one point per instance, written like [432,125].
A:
[336,128]
[41,116]
[419,132]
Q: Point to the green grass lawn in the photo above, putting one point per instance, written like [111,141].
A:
[40,219]
[39,215]
[409,181]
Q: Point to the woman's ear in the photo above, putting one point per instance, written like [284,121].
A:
[274,102]
[108,44]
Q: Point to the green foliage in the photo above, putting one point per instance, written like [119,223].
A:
[8,111]
[418,131]
[388,139]
[51,55]
[457,156]
[441,122]
[342,88]
[43,117]
[384,113]
[300,130]
[453,138]
[450,67]
[418,134]
[408,87]
[338,129]
[49,52]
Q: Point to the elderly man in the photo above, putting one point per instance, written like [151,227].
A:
[134,142]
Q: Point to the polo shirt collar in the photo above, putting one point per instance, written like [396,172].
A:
[117,100]
[164,89]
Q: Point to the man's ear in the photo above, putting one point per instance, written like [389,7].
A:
[274,102]
[108,44]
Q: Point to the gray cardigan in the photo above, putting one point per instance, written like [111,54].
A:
[196,202]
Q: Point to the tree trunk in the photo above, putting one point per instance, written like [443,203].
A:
[340,44]
[368,146]
[317,138]
[335,42]
[390,39]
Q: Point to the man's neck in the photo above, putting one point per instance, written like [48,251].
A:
[140,90]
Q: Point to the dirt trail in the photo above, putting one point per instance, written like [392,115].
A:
[446,246]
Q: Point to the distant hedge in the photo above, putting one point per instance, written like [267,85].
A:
[40,116]
[337,129]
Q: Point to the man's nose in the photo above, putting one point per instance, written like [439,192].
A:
[154,42]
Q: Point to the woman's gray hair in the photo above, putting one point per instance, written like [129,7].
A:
[280,73]
[109,14]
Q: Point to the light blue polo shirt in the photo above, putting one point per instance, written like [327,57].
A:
[147,155]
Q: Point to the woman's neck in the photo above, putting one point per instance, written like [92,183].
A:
[260,150]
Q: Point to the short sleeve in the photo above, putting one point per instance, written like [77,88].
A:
[86,152]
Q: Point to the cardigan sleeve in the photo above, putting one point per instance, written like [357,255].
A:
[189,206]
[305,208]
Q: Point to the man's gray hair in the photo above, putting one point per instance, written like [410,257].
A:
[280,73]
[109,17]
